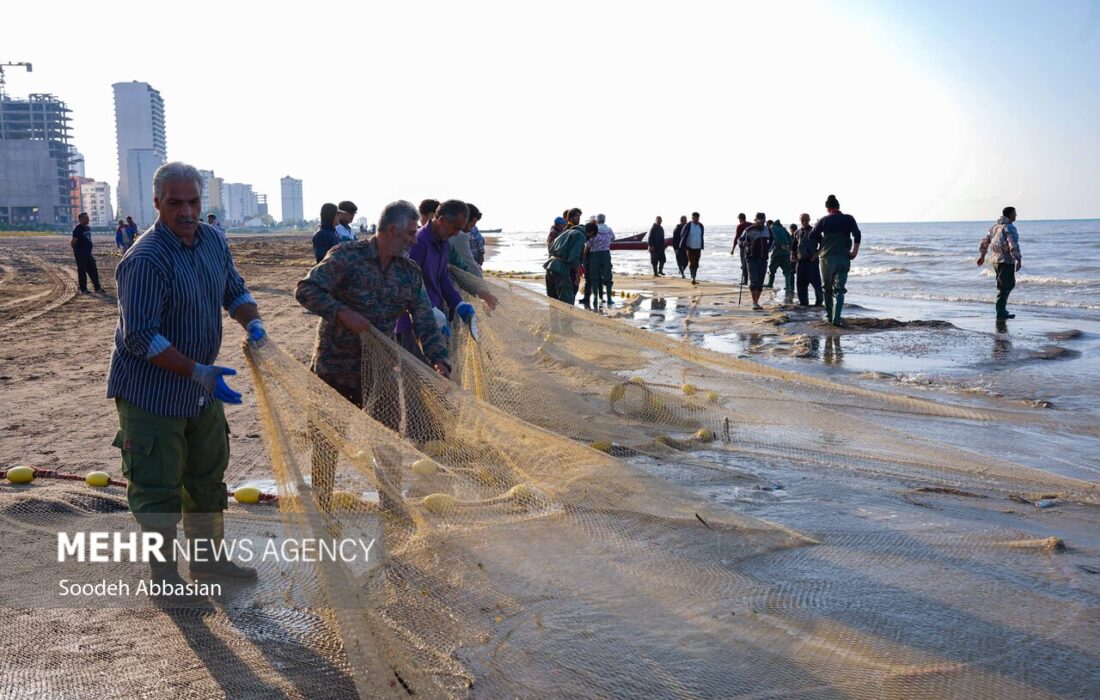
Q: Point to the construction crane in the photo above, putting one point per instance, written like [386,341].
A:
[10,65]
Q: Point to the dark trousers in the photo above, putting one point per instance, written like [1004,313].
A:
[808,273]
[681,260]
[657,258]
[1006,282]
[561,287]
[597,274]
[85,268]
[693,255]
[758,269]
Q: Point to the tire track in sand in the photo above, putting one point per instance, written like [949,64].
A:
[60,288]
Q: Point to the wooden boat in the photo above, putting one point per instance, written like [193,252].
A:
[633,245]
[490,230]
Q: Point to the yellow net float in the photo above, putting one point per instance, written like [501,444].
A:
[21,475]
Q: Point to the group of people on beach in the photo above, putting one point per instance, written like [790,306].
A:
[818,255]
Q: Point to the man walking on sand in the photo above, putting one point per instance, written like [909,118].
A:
[82,251]
[692,242]
[656,243]
[840,238]
[677,245]
[173,286]
[1003,244]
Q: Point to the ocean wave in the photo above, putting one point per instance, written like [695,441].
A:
[880,270]
[1047,303]
[907,251]
[1044,279]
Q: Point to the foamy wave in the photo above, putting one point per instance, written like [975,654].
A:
[869,271]
[906,251]
[989,300]
[1040,279]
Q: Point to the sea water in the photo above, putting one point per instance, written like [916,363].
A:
[1048,355]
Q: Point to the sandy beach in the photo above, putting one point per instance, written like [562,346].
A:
[55,345]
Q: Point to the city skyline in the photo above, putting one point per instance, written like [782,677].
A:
[903,111]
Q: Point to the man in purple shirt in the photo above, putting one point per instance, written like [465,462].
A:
[430,252]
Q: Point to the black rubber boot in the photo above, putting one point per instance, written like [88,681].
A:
[205,535]
[837,308]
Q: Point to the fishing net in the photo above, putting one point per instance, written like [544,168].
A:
[600,381]
[544,532]
[586,509]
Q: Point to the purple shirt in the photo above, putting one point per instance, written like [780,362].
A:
[431,256]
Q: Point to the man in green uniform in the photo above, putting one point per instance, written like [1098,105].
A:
[565,258]
[840,238]
[781,257]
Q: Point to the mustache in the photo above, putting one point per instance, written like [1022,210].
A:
[186,220]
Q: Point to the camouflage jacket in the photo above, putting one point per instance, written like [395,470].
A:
[351,277]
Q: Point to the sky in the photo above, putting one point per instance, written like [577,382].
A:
[931,111]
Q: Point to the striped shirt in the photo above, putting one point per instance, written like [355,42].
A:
[177,292]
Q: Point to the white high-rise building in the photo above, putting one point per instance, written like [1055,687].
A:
[292,200]
[142,148]
[239,202]
[95,198]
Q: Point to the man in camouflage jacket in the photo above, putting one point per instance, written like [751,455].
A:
[361,284]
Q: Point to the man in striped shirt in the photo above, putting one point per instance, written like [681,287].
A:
[172,287]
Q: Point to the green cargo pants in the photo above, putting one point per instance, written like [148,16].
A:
[173,464]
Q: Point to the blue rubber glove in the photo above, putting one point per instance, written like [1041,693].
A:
[256,331]
[465,311]
[210,377]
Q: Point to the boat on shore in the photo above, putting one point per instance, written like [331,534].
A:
[490,230]
[635,242]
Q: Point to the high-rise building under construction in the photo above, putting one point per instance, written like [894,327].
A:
[34,161]
[142,148]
